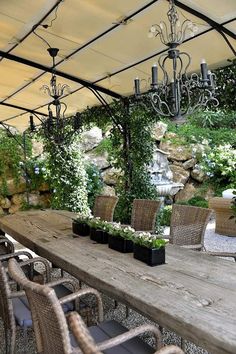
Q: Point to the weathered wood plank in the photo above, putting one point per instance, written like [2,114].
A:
[193,294]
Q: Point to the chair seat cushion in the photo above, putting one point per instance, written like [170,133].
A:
[110,329]
[60,291]
[22,313]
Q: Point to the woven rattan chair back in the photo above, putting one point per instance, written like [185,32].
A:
[144,213]
[49,322]
[104,207]
[6,307]
[188,225]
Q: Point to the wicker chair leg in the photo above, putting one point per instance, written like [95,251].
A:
[182,344]
[25,339]
[6,340]
[12,342]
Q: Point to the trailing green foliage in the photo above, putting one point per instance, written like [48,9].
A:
[130,149]
[226,86]
[94,183]
[68,178]
[11,159]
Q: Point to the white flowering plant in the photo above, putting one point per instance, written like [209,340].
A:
[219,164]
[123,231]
[83,218]
[148,240]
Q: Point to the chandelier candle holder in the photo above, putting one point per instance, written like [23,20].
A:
[57,127]
[179,93]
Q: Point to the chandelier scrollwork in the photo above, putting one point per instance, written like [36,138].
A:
[57,127]
[178,94]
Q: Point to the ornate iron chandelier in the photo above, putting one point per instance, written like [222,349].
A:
[57,127]
[178,94]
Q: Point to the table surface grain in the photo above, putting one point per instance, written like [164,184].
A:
[192,294]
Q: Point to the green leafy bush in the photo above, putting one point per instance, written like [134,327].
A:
[214,119]
[163,217]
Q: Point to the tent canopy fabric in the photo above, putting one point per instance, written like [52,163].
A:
[103,45]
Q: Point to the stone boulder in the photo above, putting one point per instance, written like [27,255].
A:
[18,199]
[176,153]
[198,174]
[108,190]
[44,187]
[2,211]
[34,199]
[111,176]
[180,175]
[14,208]
[13,188]
[159,130]
[186,193]
[91,139]
[99,160]
[189,164]
[5,203]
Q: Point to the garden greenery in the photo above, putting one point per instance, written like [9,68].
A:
[67,174]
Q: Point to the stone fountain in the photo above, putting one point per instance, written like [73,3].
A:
[162,176]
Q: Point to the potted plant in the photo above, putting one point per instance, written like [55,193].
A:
[80,225]
[149,248]
[120,238]
[98,230]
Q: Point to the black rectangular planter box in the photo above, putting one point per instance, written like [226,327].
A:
[99,236]
[120,244]
[80,228]
[151,256]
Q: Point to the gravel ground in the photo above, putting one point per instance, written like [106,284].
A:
[213,242]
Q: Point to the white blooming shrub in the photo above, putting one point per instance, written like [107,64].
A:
[219,164]
[68,177]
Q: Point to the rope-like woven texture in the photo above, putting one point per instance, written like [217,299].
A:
[88,346]
[50,326]
[144,213]
[188,224]
[104,207]
[82,335]
[223,211]
[6,308]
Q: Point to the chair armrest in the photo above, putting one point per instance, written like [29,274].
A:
[15,294]
[170,349]
[39,260]
[11,244]
[81,333]
[222,254]
[15,254]
[83,292]
[131,334]
[69,281]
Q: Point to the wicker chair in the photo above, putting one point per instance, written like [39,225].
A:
[13,311]
[88,345]
[14,306]
[188,225]
[50,326]
[104,207]
[144,213]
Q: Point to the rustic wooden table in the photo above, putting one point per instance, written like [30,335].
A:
[192,294]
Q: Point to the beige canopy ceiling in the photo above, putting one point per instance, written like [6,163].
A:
[103,46]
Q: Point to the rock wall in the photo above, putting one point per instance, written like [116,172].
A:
[178,164]
[181,161]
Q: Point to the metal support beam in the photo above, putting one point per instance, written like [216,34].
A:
[39,66]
